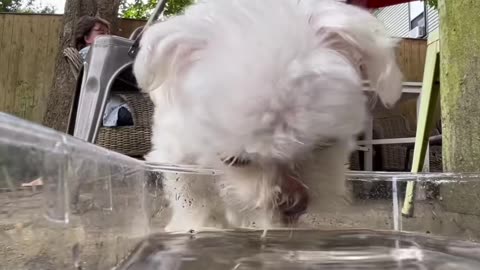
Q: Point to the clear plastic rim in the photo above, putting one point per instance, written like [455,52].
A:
[443,177]
[350,175]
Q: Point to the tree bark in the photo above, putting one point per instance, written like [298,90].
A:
[61,96]
[460,100]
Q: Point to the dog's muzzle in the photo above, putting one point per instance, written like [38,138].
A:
[294,198]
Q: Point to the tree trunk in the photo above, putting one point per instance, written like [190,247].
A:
[61,96]
[460,99]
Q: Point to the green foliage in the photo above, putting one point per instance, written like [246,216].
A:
[137,10]
[22,6]
[31,7]
[10,5]
[174,7]
[142,9]
[433,3]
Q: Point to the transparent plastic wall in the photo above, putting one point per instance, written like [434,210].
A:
[90,201]
[94,205]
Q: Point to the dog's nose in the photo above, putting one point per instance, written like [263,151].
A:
[294,199]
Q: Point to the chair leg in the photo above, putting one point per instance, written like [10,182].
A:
[407,159]
[428,98]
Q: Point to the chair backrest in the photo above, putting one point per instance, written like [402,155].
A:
[131,140]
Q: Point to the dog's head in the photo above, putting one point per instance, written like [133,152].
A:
[267,80]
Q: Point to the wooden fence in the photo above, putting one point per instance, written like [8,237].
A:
[411,55]
[28,47]
[29,43]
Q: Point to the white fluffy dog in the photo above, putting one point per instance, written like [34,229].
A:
[270,92]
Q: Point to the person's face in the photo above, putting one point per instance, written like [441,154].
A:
[98,30]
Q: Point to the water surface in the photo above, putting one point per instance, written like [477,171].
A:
[301,249]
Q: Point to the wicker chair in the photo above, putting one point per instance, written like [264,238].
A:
[74,60]
[398,157]
[129,140]
[395,157]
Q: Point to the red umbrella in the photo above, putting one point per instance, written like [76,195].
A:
[377,3]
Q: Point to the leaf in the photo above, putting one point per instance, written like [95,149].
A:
[142,9]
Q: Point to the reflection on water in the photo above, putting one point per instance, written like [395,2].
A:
[301,249]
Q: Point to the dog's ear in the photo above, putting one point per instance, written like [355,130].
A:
[166,51]
[360,37]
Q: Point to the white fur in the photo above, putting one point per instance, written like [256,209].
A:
[268,80]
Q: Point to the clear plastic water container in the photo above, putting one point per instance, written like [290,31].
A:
[66,204]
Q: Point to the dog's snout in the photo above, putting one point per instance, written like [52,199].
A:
[293,199]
